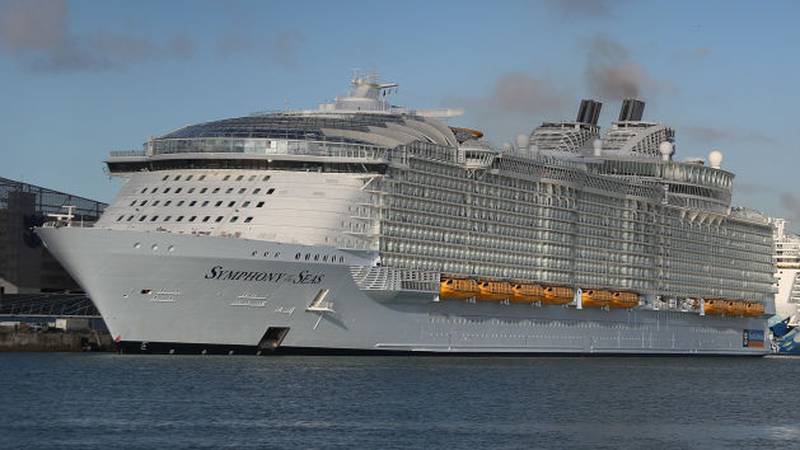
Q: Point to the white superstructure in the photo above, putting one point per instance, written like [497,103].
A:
[362,226]
[787,263]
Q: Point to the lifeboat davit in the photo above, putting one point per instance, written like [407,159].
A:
[557,295]
[592,298]
[527,293]
[458,288]
[753,309]
[624,300]
[715,306]
[494,291]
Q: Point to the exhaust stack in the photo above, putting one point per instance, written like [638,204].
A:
[589,112]
[632,110]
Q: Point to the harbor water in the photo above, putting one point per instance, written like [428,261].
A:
[111,401]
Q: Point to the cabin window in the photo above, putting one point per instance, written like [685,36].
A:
[178,178]
[227,177]
[141,219]
[119,219]
[231,204]
[205,203]
[143,191]
[144,202]
[246,204]
[218,203]
[180,203]
[215,190]
[153,219]
[166,219]
[168,202]
[240,178]
[179,219]
[234,219]
[190,190]
[252,178]
[203,191]
[191,219]
[193,202]
[132,203]
[206,218]
[202,177]
[229,190]
[178,191]
[242,190]
[219,219]
[266,178]
[189,178]
[270,191]
[155,203]
[256,190]
[166,191]
[248,220]
[259,204]
[166,177]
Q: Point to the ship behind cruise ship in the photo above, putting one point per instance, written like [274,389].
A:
[365,227]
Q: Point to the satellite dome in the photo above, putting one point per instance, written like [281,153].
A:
[715,159]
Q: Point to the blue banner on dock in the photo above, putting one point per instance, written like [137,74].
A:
[753,338]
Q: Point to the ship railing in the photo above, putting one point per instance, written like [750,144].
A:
[263,146]
[126,153]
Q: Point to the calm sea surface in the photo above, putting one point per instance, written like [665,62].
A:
[113,401]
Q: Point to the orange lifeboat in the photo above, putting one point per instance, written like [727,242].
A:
[457,288]
[715,306]
[557,295]
[592,298]
[527,293]
[494,291]
[753,309]
[736,308]
[624,300]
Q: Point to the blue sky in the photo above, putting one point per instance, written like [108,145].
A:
[80,78]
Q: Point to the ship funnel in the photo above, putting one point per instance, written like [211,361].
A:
[589,112]
[631,111]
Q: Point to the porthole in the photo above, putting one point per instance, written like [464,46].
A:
[215,190]
[296,256]
[153,219]
[248,220]
[307,256]
[266,178]
[178,190]
[171,248]
[178,178]
[252,177]
[246,204]
[259,204]
[226,178]
[231,204]
[137,245]
[165,178]
[218,203]
[202,177]
[254,253]
[270,191]
[240,178]
[229,190]
[154,247]
[189,178]
[256,190]
[316,257]
[205,203]
[242,190]
[203,191]
[219,219]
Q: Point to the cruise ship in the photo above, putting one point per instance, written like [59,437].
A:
[364,227]
[787,263]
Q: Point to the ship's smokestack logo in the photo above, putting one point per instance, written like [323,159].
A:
[304,277]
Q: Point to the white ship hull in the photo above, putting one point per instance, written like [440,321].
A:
[212,294]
